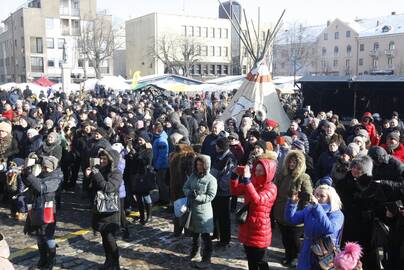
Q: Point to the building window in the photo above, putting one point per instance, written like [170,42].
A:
[198,50]
[336,51]
[336,35]
[205,69]
[226,51]
[376,46]
[323,51]
[218,51]
[347,63]
[198,31]
[197,69]
[349,50]
[75,27]
[61,42]
[244,69]
[184,30]
[226,33]
[212,32]
[64,25]
[390,61]
[36,45]
[212,69]
[36,64]
[76,4]
[190,31]
[50,43]
[204,51]
[361,61]
[205,32]
[22,21]
[219,32]
[392,46]
[375,63]
[325,36]
[219,69]
[386,28]
[51,63]
[348,34]
[335,64]
[211,50]
[226,70]
[362,47]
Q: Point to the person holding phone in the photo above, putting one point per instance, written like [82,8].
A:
[322,217]
[259,193]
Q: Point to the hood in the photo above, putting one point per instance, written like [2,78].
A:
[4,249]
[206,160]
[300,167]
[271,155]
[174,118]
[112,155]
[270,170]
[379,155]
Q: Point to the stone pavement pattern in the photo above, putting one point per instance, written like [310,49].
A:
[150,246]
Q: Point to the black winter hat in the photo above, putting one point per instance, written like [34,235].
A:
[261,144]
[223,143]
[144,135]
[101,131]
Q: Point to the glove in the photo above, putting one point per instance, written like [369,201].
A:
[245,180]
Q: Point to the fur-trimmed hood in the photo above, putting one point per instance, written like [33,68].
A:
[365,162]
[271,155]
[207,162]
[112,155]
[300,167]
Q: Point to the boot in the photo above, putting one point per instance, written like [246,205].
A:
[107,263]
[115,261]
[206,254]
[142,216]
[51,258]
[195,250]
[148,207]
[43,256]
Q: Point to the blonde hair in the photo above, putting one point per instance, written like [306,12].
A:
[333,196]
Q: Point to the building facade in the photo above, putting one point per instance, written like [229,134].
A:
[166,43]
[360,47]
[41,35]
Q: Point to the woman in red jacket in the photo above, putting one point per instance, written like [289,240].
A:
[260,194]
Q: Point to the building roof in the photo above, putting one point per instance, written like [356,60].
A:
[384,25]
[360,78]
[324,78]
[309,34]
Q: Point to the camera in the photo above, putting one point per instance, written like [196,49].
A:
[94,162]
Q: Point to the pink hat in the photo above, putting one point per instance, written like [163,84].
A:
[349,258]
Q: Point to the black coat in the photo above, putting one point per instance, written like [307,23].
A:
[33,146]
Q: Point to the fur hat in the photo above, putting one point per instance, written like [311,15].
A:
[348,259]
[6,127]
[50,162]
[365,162]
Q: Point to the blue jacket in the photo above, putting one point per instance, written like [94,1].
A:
[160,151]
[317,223]
[325,163]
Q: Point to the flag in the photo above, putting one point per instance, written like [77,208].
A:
[136,76]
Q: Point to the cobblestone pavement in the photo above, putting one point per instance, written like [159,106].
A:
[150,246]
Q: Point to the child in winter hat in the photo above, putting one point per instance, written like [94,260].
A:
[349,258]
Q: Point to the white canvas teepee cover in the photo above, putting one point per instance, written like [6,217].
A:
[259,92]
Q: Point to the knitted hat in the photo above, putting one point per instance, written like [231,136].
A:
[326,180]
[298,144]
[6,127]
[50,162]
[349,258]
[394,135]
[262,144]
[271,123]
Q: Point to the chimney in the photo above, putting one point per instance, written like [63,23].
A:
[393,13]
[328,23]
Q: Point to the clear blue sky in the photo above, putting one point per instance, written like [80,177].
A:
[305,11]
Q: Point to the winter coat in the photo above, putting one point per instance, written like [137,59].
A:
[8,148]
[136,166]
[160,151]
[238,152]
[107,180]
[54,149]
[318,222]
[260,195]
[371,129]
[222,167]
[178,127]
[5,264]
[181,162]
[208,145]
[205,188]
[325,163]
[292,181]
[398,153]
[43,189]
[34,145]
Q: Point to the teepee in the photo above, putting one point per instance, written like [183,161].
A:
[257,90]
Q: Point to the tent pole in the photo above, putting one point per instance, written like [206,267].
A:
[248,32]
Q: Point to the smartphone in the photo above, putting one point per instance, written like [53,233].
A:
[29,162]
[240,170]
[94,162]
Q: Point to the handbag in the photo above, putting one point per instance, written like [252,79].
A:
[242,214]
[106,202]
[41,213]
[324,252]
[180,206]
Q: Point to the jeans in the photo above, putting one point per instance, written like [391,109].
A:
[255,257]
[221,218]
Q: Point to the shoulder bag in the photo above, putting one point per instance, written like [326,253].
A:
[106,202]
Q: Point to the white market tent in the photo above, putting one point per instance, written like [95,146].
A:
[73,87]
[257,90]
[114,82]
[8,86]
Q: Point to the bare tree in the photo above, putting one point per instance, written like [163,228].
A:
[98,41]
[178,54]
[297,47]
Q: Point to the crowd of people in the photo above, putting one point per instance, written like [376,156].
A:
[319,181]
